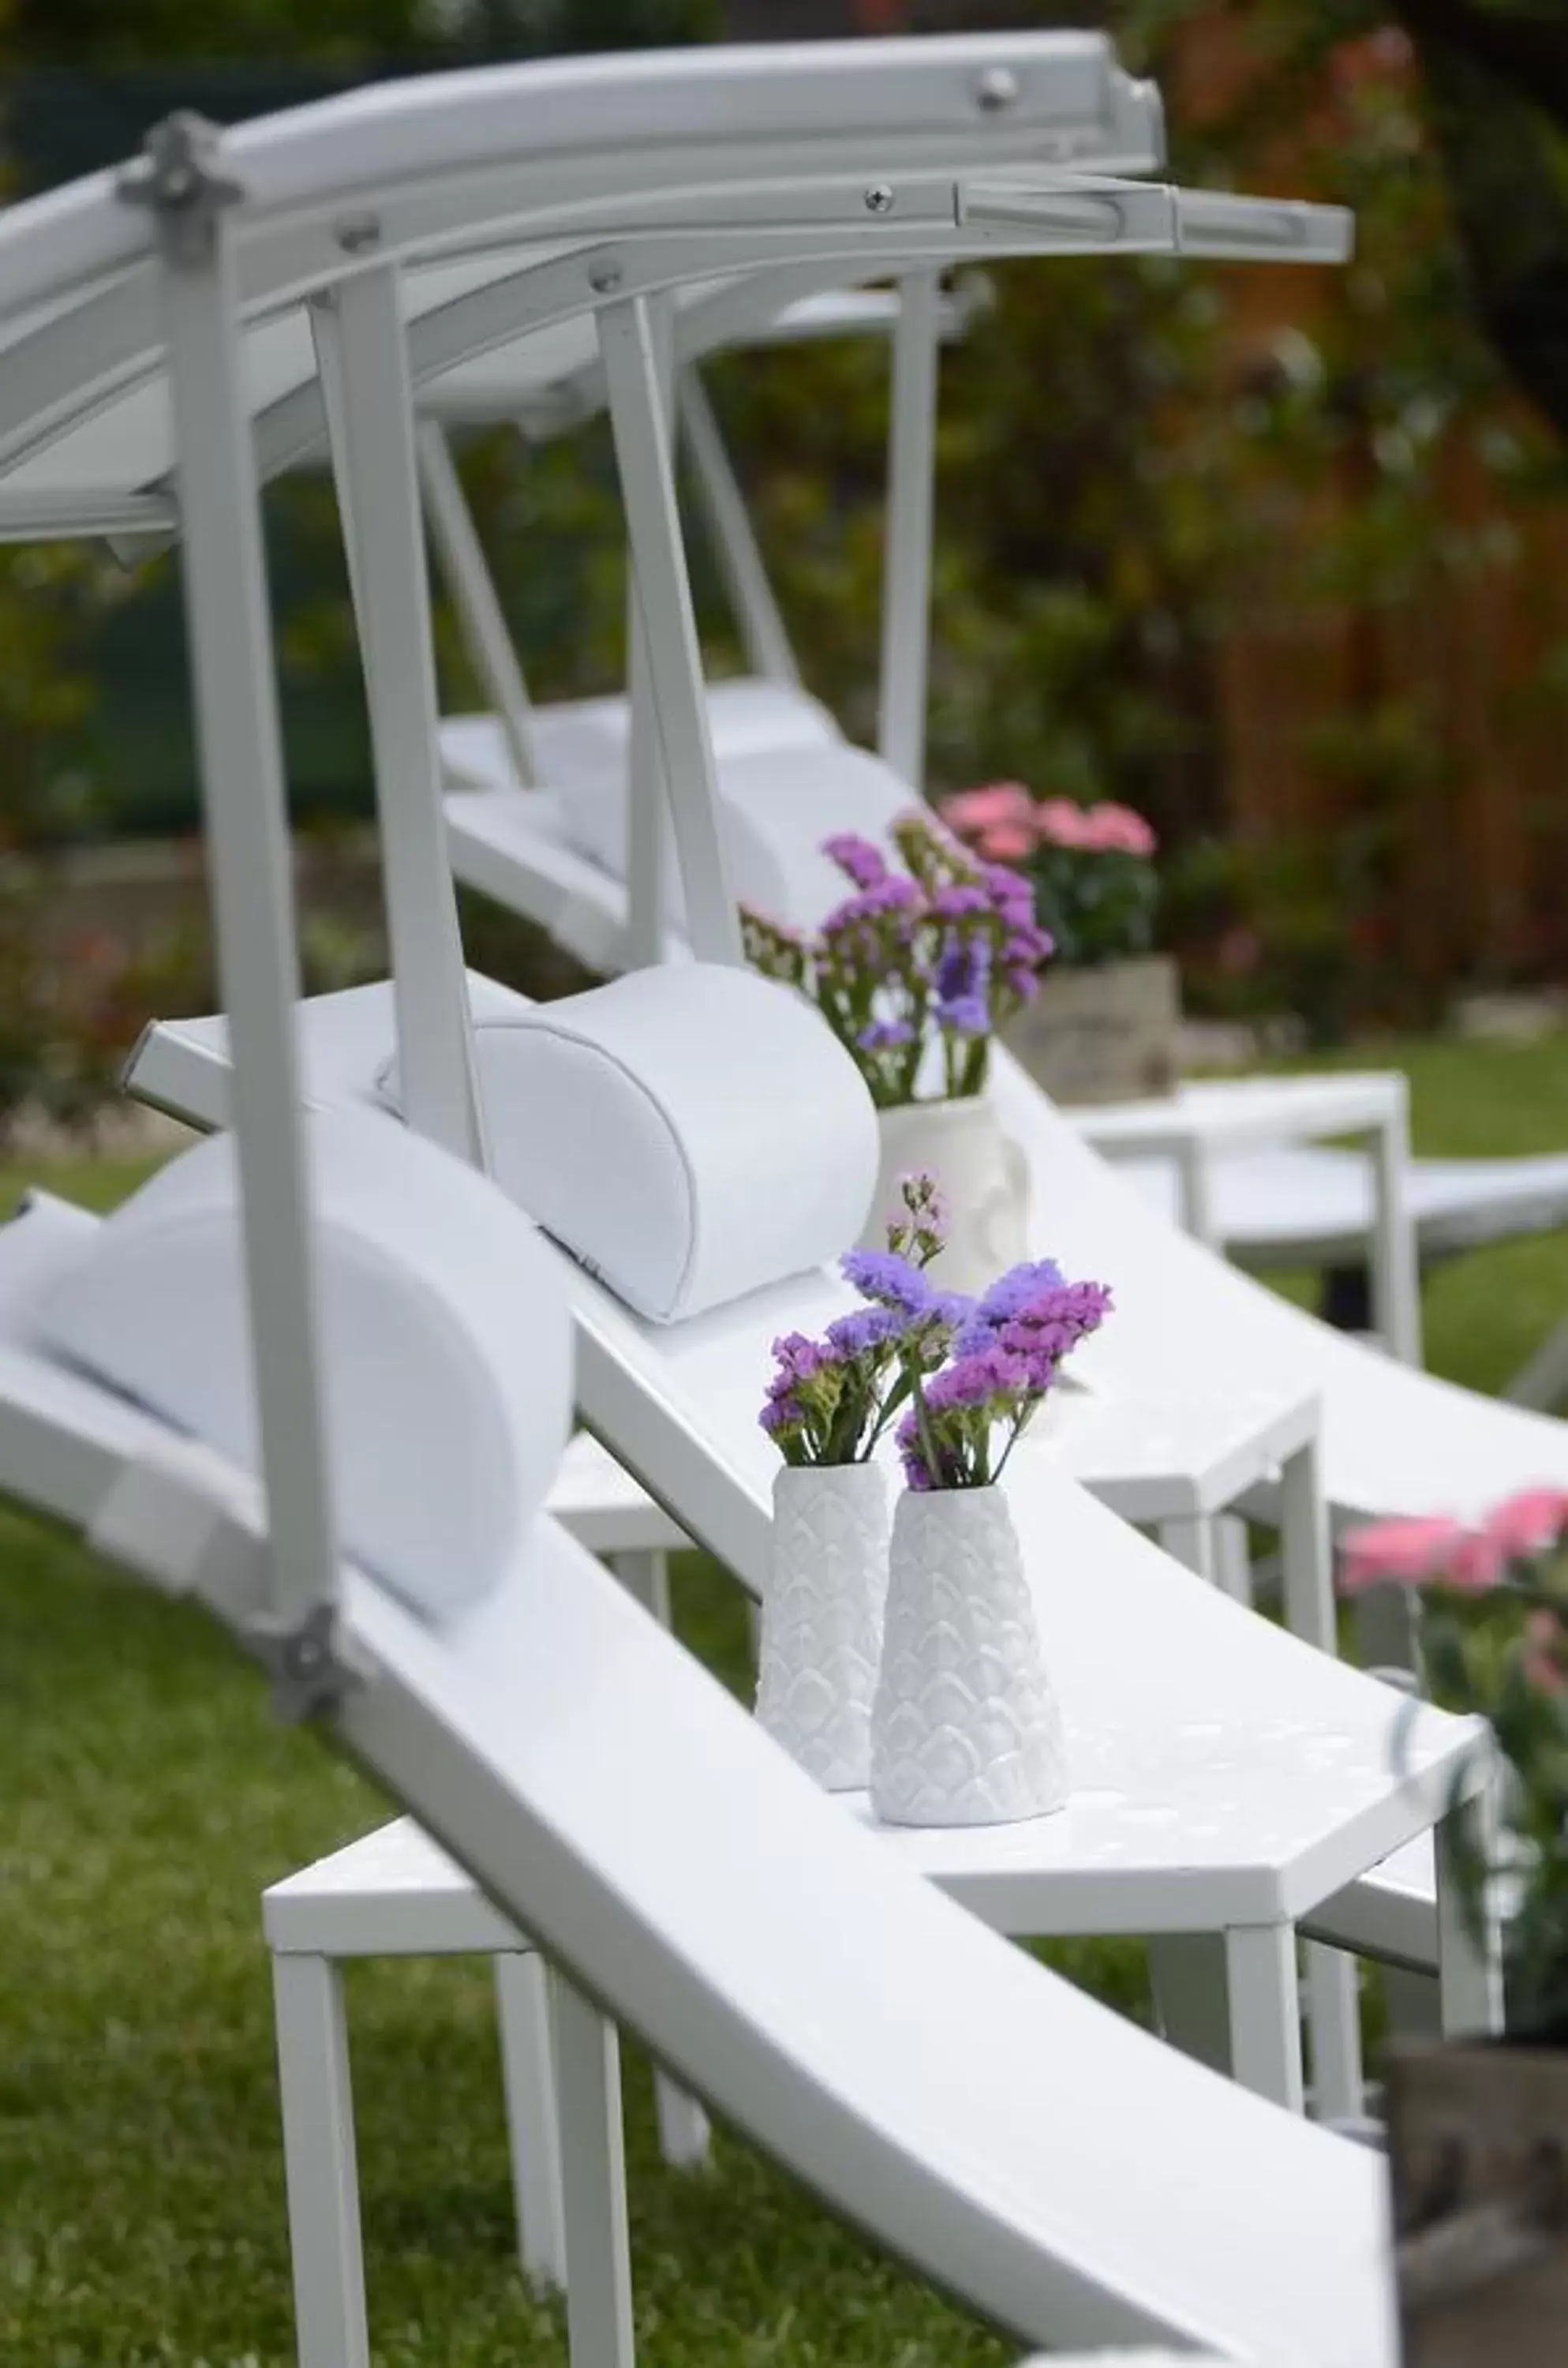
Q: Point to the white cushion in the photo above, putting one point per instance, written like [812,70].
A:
[690,1134]
[591,735]
[445,1334]
[777,806]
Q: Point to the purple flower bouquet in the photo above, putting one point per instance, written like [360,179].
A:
[939,955]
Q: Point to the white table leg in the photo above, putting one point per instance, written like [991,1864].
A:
[593,2163]
[1265,2013]
[533,2127]
[1469,1965]
[1189,1537]
[1396,1272]
[685,2139]
[319,2166]
[1334,2009]
[1306,1552]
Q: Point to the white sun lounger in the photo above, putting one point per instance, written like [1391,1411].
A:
[1069,2175]
[1071,2179]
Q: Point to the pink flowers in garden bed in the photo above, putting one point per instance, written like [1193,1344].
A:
[1005,825]
[1437,1551]
[1091,867]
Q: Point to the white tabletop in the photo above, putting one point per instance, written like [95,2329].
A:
[1234,1113]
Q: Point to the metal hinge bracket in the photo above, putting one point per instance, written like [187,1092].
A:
[310,1670]
[177,178]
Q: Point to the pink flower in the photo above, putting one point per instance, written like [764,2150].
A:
[1526,1524]
[1005,842]
[1117,829]
[1408,1552]
[1062,823]
[1000,803]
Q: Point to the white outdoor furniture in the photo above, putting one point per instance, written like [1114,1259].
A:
[363,1350]
[676,1411]
[1201,1153]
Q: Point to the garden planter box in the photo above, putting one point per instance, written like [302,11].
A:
[1479,2140]
[1107,1033]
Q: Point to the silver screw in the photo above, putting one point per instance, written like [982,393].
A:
[605,279]
[997,88]
[879,199]
[356,232]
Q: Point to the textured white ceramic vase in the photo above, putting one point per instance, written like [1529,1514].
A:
[822,1622]
[966,1729]
[982,1177]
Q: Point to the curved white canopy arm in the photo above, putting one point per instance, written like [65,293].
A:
[459,160]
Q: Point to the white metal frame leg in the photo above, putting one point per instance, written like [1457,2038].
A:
[906,565]
[322,2179]
[1469,1969]
[598,2251]
[685,2136]
[533,2120]
[1396,1267]
[474,597]
[730,530]
[1232,2001]
[1306,1551]
[663,592]
[1266,2012]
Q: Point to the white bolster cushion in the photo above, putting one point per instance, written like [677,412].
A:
[592,736]
[445,1332]
[690,1134]
[776,807]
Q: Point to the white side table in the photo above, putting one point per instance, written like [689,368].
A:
[1204,1120]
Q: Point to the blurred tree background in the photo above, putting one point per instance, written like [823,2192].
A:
[1278,558]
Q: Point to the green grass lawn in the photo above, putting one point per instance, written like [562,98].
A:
[146,1796]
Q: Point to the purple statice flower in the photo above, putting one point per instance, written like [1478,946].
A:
[885,1035]
[962,980]
[916,1474]
[958,900]
[1025,942]
[1011,892]
[780,1414]
[893,894]
[866,1328]
[888,1277]
[1007,1297]
[857,857]
[1051,1326]
[966,1015]
[797,1358]
[962,969]
[1022,984]
[977,1380]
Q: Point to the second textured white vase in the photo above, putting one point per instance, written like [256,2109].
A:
[966,1729]
[822,1621]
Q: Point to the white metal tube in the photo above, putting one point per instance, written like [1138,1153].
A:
[1396,1268]
[663,591]
[363,359]
[241,757]
[647,788]
[735,545]
[474,597]
[906,560]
